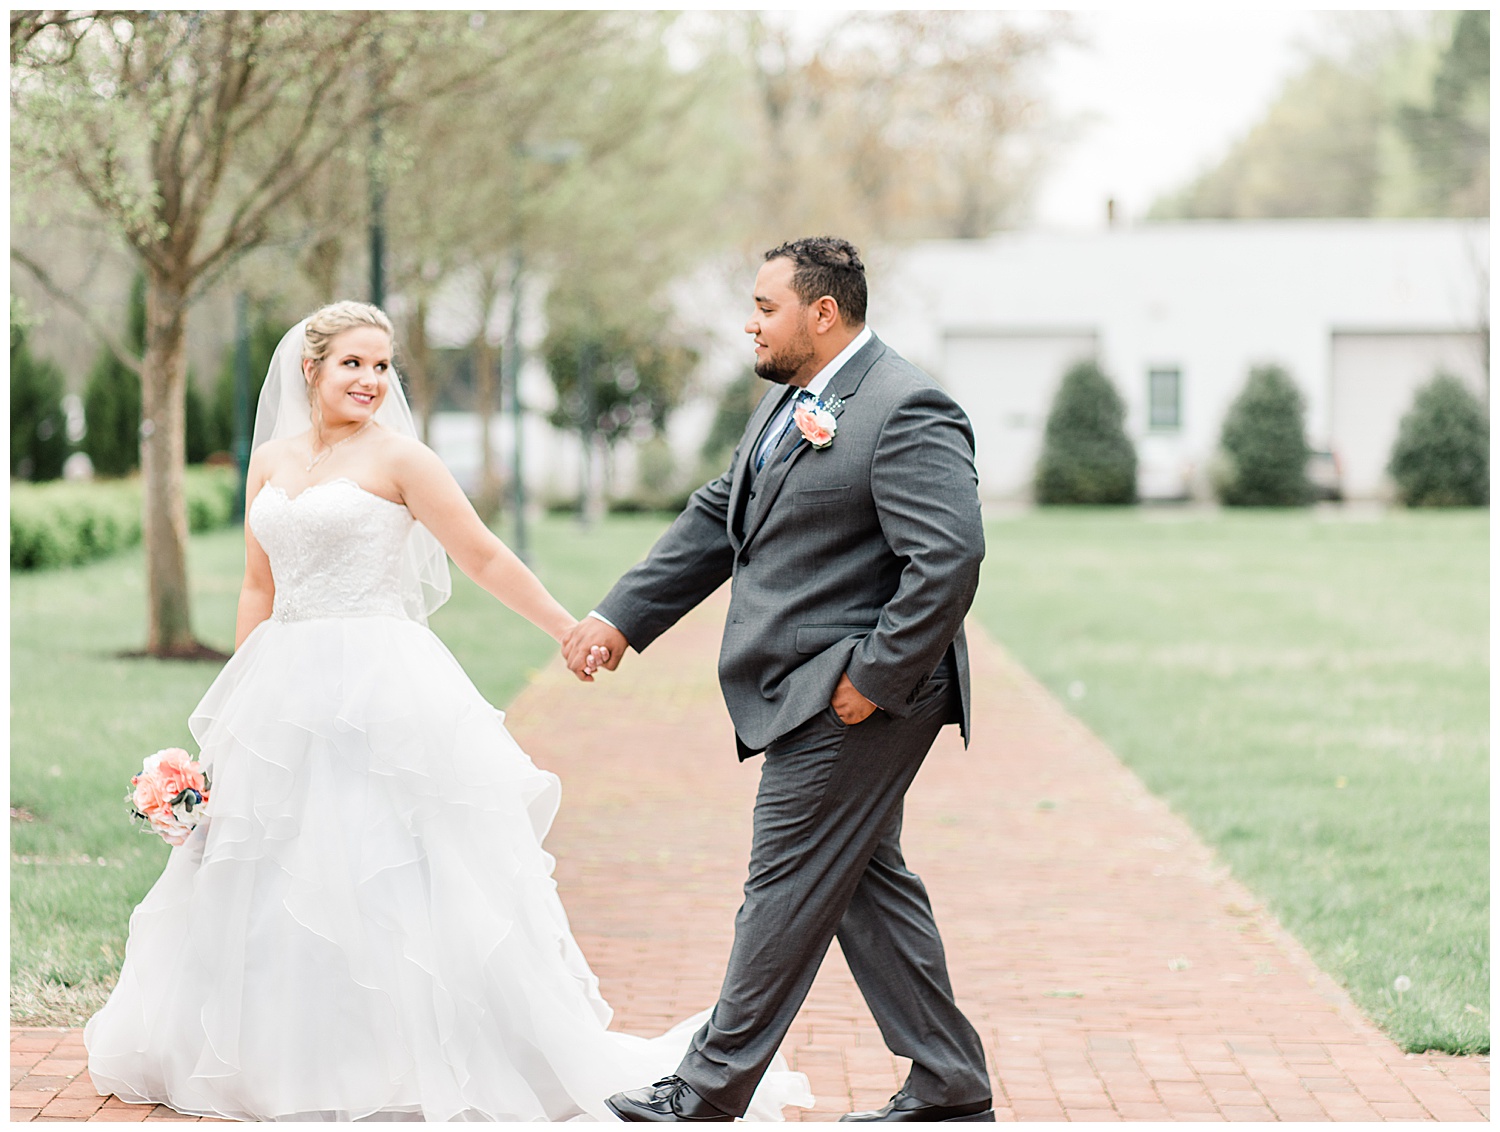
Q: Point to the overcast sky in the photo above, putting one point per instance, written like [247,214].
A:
[1156,97]
[1159,96]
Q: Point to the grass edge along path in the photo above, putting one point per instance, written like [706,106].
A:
[1311,694]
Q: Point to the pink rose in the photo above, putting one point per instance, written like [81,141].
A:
[172,835]
[177,772]
[816,424]
[177,768]
[152,795]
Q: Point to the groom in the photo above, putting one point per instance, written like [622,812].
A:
[849,523]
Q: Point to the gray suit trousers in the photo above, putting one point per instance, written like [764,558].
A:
[826,860]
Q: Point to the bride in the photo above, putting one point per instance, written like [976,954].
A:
[366,924]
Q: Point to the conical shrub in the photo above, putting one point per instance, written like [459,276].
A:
[38,425]
[112,399]
[1442,453]
[1086,455]
[1264,444]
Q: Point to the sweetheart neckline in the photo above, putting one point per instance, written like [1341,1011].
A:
[327,483]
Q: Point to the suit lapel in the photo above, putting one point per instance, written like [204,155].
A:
[740,485]
[844,385]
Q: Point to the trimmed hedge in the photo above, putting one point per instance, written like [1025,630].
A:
[112,398]
[38,425]
[68,524]
[1442,453]
[1087,458]
[1263,445]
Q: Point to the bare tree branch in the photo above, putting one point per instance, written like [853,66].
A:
[25,26]
[114,342]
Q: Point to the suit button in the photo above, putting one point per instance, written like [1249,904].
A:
[744,560]
[752,495]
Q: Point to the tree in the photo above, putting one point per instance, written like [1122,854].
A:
[1315,153]
[1264,444]
[1450,136]
[66,29]
[1086,455]
[189,133]
[1391,119]
[737,403]
[1442,453]
[112,397]
[197,424]
[595,171]
[38,425]
[897,125]
[612,380]
[464,185]
[266,333]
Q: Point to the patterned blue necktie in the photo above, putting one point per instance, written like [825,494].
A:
[800,396]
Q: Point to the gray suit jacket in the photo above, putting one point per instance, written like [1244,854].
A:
[861,556]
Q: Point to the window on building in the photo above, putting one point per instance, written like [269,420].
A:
[1165,399]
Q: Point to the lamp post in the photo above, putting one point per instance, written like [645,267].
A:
[377,219]
[377,190]
[588,415]
[510,378]
[241,398]
[547,153]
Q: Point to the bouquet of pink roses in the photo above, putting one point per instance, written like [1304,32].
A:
[168,797]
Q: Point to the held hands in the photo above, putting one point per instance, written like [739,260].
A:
[591,645]
[849,704]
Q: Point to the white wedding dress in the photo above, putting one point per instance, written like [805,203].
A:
[366,925]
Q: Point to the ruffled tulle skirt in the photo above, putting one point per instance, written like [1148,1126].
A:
[366,926]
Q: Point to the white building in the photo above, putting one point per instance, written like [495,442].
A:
[1360,312]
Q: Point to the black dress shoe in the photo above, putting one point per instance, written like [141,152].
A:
[669,1099]
[904,1106]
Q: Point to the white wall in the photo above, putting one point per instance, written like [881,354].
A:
[1211,298]
[1375,376]
[1008,381]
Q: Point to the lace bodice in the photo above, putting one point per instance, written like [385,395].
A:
[335,550]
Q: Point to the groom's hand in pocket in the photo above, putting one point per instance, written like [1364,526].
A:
[849,704]
[591,645]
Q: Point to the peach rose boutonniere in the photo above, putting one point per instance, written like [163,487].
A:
[816,421]
[170,795]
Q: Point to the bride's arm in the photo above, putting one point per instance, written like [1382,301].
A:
[258,590]
[435,500]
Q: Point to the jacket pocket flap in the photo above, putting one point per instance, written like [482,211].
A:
[816,495]
[816,638]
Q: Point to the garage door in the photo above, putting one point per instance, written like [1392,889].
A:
[1006,383]
[1375,377]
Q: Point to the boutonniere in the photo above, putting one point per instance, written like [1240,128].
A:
[816,421]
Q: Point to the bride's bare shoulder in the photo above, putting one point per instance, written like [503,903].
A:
[269,456]
[405,450]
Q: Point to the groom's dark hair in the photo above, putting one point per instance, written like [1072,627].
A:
[827,265]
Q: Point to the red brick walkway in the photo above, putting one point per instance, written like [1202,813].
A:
[1114,970]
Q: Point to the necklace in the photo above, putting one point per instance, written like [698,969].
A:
[319,457]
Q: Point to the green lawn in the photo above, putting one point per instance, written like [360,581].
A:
[82,720]
[1311,694]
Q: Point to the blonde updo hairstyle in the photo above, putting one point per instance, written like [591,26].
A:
[327,323]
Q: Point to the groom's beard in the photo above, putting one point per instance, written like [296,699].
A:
[782,367]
